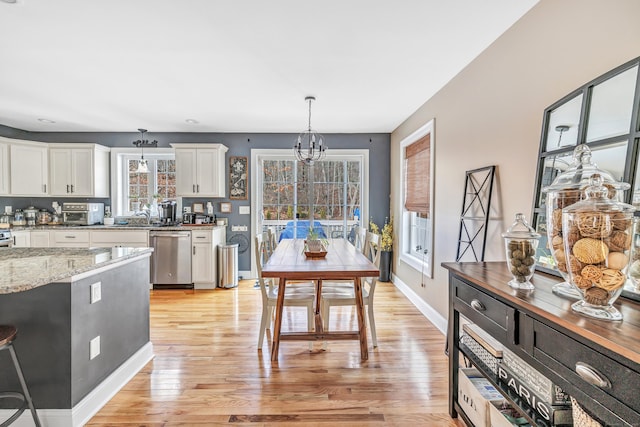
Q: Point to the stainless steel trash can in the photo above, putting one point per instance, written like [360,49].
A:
[228,266]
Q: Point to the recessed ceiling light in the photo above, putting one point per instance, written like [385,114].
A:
[192,121]
[44,120]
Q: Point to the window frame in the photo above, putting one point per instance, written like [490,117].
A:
[424,264]
[258,155]
[120,174]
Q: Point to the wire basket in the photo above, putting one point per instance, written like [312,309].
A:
[580,417]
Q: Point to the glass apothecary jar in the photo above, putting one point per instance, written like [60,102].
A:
[521,242]
[568,188]
[597,235]
[634,267]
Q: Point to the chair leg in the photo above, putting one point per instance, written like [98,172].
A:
[23,383]
[310,322]
[263,325]
[325,322]
[372,325]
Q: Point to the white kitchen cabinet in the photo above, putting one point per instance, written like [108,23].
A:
[79,170]
[204,261]
[200,170]
[4,168]
[21,239]
[119,238]
[69,239]
[29,166]
[40,239]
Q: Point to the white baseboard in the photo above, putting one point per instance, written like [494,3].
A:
[80,414]
[242,275]
[427,311]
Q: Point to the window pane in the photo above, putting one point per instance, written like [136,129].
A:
[566,115]
[611,106]
[270,170]
[353,170]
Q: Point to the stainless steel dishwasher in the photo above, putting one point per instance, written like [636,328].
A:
[171,259]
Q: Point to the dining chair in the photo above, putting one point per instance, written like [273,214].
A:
[296,296]
[342,294]
[273,239]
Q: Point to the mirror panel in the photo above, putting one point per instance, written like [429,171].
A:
[563,125]
[612,106]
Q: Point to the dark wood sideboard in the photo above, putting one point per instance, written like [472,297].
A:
[541,328]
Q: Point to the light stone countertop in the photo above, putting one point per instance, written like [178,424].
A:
[152,227]
[28,268]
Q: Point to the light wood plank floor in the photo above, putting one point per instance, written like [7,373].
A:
[208,371]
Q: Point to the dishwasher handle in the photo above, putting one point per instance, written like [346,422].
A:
[178,234]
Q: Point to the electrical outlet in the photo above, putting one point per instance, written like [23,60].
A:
[96,292]
[94,348]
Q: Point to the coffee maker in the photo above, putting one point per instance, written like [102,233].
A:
[167,212]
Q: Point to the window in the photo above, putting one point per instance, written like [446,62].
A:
[333,191]
[416,223]
[133,190]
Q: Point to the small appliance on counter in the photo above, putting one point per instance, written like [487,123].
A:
[167,212]
[75,213]
[188,218]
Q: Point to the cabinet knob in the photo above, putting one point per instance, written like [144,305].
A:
[194,188]
[592,376]
[198,187]
[67,188]
[477,305]
[194,250]
[72,189]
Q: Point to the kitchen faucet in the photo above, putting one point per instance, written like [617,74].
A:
[146,213]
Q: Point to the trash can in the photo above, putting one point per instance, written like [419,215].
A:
[228,266]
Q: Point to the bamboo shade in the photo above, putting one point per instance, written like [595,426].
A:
[417,157]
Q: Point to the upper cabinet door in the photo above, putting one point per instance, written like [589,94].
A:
[186,172]
[4,168]
[29,169]
[60,160]
[209,174]
[82,172]
[200,170]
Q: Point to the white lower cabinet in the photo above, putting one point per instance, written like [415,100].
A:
[204,263]
[119,238]
[69,239]
[40,239]
[21,239]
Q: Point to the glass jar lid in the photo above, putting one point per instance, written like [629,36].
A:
[598,199]
[520,229]
[578,174]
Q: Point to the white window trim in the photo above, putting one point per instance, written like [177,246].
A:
[118,190]
[257,155]
[426,266]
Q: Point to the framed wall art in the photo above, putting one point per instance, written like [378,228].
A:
[225,207]
[238,178]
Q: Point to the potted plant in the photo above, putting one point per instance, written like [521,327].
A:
[313,242]
[386,248]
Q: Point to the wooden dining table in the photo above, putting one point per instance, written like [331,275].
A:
[342,262]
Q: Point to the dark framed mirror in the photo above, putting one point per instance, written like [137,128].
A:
[603,114]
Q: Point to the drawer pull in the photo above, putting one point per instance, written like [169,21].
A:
[592,376]
[477,305]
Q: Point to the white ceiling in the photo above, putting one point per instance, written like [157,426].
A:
[235,65]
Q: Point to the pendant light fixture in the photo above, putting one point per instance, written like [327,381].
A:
[143,167]
[310,146]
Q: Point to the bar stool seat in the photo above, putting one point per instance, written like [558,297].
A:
[7,335]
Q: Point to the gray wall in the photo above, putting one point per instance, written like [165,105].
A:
[239,144]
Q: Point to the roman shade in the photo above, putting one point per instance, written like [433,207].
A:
[417,163]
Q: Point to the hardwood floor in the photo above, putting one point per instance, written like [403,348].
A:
[208,371]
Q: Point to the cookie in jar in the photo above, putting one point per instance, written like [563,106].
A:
[597,236]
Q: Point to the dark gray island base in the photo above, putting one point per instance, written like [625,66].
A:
[75,353]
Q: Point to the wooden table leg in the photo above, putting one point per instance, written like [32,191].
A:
[362,324]
[278,321]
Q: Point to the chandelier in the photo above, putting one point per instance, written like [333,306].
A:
[143,166]
[310,146]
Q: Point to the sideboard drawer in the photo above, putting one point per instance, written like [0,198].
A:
[587,368]
[495,317]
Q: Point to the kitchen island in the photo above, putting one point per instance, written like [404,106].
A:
[83,325]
